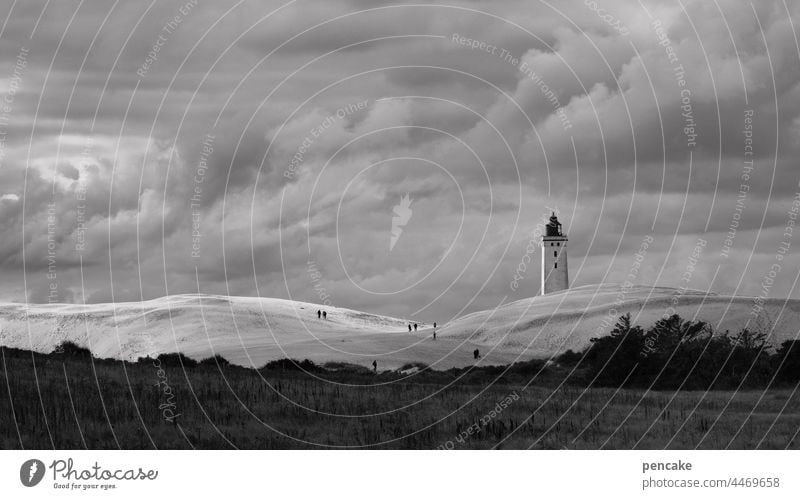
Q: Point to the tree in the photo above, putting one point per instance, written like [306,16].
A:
[787,362]
[613,359]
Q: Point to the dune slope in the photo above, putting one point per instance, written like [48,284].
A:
[252,331]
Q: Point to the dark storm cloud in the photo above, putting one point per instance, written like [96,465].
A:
[168,168]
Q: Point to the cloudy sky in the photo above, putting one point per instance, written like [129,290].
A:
[249,148]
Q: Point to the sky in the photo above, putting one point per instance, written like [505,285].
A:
[397,158]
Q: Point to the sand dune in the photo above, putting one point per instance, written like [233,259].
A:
[252,331]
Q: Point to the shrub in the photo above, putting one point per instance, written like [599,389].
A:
[176,360]
[217,360]
[787,362]
[290,365]
[70,349]
[569,358]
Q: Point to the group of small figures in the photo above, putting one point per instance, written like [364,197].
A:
[476,354]
[322,314]
[415,329]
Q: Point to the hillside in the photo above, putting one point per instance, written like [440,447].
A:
[252,331]
[551,324]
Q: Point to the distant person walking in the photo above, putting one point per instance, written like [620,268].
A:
[409,328]
[434,335]
[415,328]
[434,325]
[476,354]
[325,315]
[319,314]
[375,366]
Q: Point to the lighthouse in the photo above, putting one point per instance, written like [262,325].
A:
[555,276]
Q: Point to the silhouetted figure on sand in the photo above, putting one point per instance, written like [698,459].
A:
[476,354]
[434,325]
[325,315]
[375,366]
[415,328]
[434,335]
[319,314]
[409,328]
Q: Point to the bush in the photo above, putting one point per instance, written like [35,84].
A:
[289,365]
[787,362]
[176,360]
[614,359]
[217,360]
[569,358]
[70,349]
[346,367]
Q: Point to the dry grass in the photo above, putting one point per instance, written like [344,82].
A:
[115,405]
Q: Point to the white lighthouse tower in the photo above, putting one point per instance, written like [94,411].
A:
[555,276]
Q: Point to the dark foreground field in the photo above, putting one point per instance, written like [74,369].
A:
[71,401]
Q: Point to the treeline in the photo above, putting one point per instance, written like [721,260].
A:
[678,354]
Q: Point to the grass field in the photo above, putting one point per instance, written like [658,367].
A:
[74,402]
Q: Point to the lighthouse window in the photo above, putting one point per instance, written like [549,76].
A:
[555,265]
[555,254]
[551,244]
[558,244]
